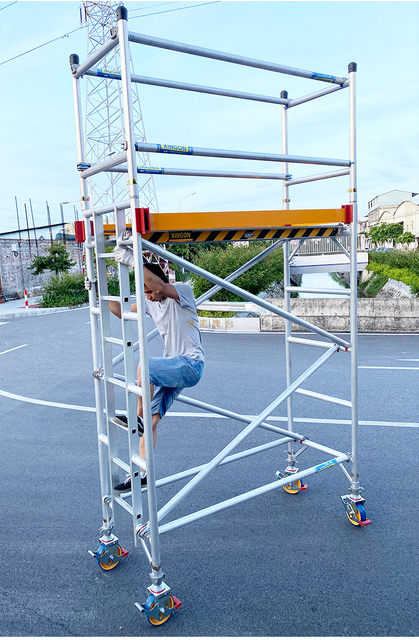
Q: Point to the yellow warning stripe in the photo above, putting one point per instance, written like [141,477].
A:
[232,235]
[238,235]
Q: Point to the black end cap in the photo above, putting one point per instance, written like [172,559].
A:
[122,13]
[74,59]
[284,94]
[352,66]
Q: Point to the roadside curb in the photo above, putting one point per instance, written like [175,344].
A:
[37,312]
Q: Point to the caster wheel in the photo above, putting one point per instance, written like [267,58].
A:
[293,487]
[112,563]
[150,605]
[356,514]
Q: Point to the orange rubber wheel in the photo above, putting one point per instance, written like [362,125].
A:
[112,563]
[356,515]
[162,618]
[293,487]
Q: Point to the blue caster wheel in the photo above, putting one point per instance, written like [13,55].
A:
[356,514]
[150,604]
[109,560]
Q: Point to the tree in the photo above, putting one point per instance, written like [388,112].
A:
[57,259]
[392,231]
[407,237]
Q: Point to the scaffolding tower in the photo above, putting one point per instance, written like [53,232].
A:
[155,232]
[104,113]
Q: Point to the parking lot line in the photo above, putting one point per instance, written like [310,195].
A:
[14,349]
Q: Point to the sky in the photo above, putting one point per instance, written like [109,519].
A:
[38,142]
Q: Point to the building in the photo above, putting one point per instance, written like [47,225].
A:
[392,207]
[16,257]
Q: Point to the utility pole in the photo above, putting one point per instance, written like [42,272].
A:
[104,132]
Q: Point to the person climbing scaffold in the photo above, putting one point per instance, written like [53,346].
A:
[173,309]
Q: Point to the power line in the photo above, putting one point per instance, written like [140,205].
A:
[178,9]
[42,45]
[66,35]
[8,5]
[150,6]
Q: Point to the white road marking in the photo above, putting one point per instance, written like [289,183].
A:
[59,405]
[191,414]
[4,322]
[399,368]
[14,349]
[409,359]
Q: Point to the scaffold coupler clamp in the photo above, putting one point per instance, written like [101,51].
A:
[143,531]
[98,373]
[159,604]
[88,284]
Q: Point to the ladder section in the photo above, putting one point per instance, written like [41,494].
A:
[109,380]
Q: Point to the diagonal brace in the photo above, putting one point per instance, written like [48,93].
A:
[241,436]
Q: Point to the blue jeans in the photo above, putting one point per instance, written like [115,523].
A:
[169,376]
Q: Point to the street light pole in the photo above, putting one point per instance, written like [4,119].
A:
[188,196]
[62,221]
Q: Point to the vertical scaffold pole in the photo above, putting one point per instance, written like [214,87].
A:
[355,486]
[156,573]
[94,319]
[287,282]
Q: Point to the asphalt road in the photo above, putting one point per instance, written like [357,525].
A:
[277,565]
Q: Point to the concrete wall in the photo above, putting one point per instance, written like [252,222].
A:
[15,276]
[374,314]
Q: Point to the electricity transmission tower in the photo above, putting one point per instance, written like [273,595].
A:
[104,128]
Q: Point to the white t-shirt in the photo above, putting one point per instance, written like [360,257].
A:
[178,324]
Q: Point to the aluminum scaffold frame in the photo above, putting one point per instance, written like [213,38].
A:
[153,233]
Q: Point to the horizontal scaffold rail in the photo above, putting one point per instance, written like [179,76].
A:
[151,147]
[151,41]
[233,226]
[203,173]
[186,86]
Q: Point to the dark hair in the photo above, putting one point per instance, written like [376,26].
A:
[157,270]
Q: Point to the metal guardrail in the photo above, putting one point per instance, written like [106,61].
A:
[317,246]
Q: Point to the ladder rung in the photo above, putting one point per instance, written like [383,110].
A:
[117,383]
[130,315]
[139,462]
[116,298]
[115,340]
[123,504]
[121,464]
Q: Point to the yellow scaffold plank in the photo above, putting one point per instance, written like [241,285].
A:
[233,226]
[228,220]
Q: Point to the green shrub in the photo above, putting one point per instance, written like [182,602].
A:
[222,261]
[216,314]
[404,275]
[369,288]
[69,290]
[397,259]
[65,291]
